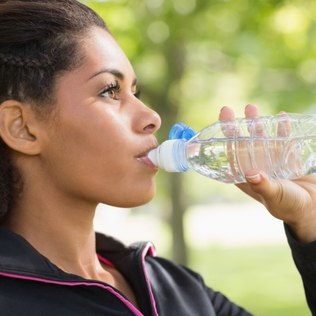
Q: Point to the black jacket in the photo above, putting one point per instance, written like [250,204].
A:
[31,285]
[304,256]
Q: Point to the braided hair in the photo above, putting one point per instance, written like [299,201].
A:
[39,39]
[17,61]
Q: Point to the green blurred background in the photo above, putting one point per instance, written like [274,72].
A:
[192,57]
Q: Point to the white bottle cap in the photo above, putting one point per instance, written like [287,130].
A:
[163,157]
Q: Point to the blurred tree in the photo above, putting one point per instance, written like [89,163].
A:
[189,53]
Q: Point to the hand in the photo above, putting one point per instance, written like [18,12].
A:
[293,201]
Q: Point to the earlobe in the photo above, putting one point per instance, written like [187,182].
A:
[16,121]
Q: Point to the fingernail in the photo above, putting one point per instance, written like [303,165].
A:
[256,178]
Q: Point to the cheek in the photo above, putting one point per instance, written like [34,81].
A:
[121,181]
[91,155]
[117,179]
[98,164]
[91,133]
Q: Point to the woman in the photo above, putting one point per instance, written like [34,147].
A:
[74,134]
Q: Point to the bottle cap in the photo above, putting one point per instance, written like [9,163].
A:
[162,156]
[181,131]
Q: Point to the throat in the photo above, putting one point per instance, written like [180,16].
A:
[106,274]
[114,278]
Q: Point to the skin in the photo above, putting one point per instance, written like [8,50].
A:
[93,149]
[293,202]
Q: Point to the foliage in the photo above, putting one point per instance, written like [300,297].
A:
[235,51]
[194,56]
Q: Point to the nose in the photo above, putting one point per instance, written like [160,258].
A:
[154,124]
[146,119]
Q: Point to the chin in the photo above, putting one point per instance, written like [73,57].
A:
[136,200]
[130,196]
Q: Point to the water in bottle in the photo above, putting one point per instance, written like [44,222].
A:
[283,146]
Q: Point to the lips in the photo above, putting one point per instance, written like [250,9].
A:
[143,157]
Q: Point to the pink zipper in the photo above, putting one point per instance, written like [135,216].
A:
[149,249]
[126,302]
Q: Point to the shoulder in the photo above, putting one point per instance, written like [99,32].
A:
[162,265]
[166,274]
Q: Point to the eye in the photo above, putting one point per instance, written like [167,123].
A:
[111,91]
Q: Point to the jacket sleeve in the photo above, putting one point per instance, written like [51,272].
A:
[221,304]
[178,290]
[224,307]
[304,256]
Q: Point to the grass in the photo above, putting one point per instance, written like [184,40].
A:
[262,279]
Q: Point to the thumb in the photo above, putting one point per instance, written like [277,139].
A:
[270,192]
[287,200]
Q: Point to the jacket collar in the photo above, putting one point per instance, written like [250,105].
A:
[17,255]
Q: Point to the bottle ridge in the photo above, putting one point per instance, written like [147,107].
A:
[283,146]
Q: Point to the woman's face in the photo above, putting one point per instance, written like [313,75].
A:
[96,148]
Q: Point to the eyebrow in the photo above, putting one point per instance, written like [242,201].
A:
[114,72]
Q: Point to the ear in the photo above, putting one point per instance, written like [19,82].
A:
[18,127]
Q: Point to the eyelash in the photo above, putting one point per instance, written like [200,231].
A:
[113,90]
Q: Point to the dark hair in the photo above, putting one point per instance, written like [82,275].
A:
[39,39]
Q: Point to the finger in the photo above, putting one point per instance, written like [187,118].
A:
[270,192]
[246,188]
[251,111]
[226,114]
[228,124]
[230,130]
[262,185]
[284,125]
[283,131]
[282,198]
[258,186]
[255,127]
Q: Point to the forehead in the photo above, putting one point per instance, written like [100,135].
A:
[101,51]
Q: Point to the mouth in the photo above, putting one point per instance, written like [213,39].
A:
[145,160]
[143,157]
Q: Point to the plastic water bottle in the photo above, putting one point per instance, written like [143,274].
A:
[283,146]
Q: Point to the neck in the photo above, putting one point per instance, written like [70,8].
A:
[62,232]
